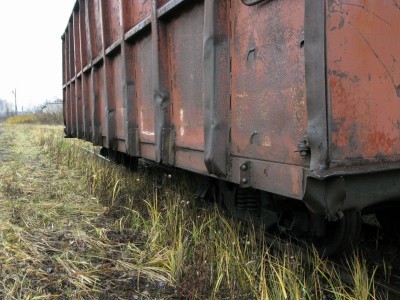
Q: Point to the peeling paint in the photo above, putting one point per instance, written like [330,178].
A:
[142,130]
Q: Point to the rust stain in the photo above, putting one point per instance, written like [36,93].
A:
[364,89]
[375,53]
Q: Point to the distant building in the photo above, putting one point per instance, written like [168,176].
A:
[53,107]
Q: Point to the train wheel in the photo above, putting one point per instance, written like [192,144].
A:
[335,238]
[115,156]
[341,236]
[390,221]
[104,152]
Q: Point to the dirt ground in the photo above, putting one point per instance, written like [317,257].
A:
[57,241]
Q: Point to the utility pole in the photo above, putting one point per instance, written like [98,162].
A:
[15,99]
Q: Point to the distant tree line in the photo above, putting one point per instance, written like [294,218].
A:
[6,109]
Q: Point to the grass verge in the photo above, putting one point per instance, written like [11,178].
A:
[76,227]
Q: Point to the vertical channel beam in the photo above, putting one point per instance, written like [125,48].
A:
[67,111]
[216,79]
[71,74]
[65,82]
[109,118]
[128,88]
[78,69]
[164,134]
[315,57]
[88,75]
[96,121]
[84,61]
[93,32]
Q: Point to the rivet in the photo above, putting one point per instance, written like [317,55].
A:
[245,181]
[243,167]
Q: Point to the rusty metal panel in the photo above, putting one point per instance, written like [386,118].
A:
[144,90]
[79,108]
[87,105]
[185,46]
[363,71]
[111,11]
[148,151]
[95,27]
[87,27]
[100,130]
[190,160]
[162,2]
[64,63]
[129,91]
[135,11]
[268,104]
[278,178]
[71,63]
[83,34]
[73,109]
[114,89]
[65,110]
[77,42]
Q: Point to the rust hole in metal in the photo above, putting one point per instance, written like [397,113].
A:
[251,56]
[253,137]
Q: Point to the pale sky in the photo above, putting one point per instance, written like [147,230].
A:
[31,49]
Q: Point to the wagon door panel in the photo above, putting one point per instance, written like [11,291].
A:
[145,94]
[185,45]
[181,76]
[268,105]
[116,110]
[87,99]
[363,71]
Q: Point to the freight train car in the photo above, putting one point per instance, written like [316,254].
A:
[292,108]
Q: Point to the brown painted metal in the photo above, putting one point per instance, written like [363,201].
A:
[268,104]
[295,90]
[364,89]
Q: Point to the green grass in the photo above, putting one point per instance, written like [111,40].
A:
[76,227]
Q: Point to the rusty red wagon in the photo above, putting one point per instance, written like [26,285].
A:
[293,107]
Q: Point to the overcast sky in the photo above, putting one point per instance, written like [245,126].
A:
[30,49]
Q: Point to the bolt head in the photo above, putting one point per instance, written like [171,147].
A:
[243,167]
[304,153]
[245,181]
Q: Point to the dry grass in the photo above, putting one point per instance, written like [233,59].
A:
[23,119]
[37,118]
[75,227]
